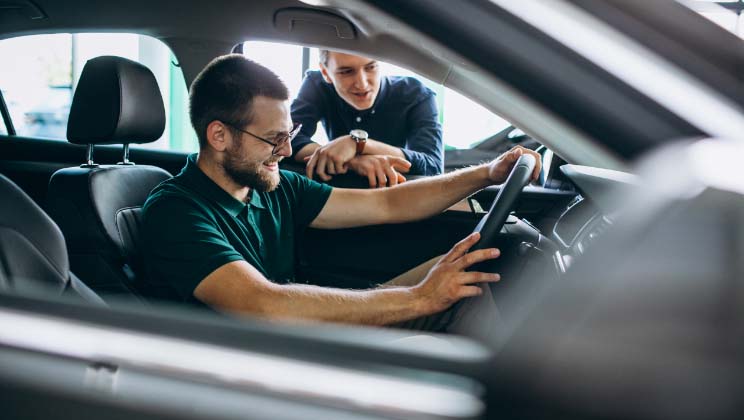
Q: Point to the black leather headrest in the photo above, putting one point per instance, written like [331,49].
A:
[116,101]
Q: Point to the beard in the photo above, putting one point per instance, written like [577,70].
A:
[249,173]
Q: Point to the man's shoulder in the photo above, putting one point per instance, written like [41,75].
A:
[314,78]
[408,88]
[170,196]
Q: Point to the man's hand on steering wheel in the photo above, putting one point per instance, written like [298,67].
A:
[500,168]
[448,281]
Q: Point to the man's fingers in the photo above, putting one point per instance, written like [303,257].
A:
[392,177]
[400,164]
[372,177]
[310,168]
[337,164]
[320,168]
[513,154]
[469,291]
[538,164]
[520,150]
[401,178]
[474,277]
[381,178]
[475,257]
[461,247]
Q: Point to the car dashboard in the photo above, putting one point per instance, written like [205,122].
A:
[590,214]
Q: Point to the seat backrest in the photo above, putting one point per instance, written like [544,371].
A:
[97,210]
[117,101]
[33,257]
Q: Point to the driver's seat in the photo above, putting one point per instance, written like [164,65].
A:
[98,207]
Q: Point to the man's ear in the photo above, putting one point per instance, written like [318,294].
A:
[218,136]
[324,72]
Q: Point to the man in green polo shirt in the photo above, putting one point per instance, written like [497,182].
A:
[221,233]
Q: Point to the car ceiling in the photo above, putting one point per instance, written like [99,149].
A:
[198,31]
[204,29]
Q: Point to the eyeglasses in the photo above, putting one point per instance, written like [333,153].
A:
[279,141]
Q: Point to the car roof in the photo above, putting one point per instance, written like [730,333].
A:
[537,89]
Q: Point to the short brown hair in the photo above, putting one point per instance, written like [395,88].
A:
[323,56]
[225,89]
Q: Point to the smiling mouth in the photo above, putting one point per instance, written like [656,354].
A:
[272,164]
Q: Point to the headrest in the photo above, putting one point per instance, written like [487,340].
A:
[116,101]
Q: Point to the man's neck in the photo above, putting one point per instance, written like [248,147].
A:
[216,173]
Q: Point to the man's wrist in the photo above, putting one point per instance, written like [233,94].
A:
[420,303]
[360,138]
[483,173]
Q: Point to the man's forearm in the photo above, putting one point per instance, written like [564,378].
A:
[306,151]
[427,197]
[367,307]
[374,147]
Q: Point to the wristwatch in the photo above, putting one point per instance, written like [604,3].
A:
[360,137]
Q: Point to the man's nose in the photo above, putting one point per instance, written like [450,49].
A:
[284,150]
[361,80]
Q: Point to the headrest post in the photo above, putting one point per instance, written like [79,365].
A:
[89,158]
[125,159]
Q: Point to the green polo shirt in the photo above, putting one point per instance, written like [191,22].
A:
[191,227]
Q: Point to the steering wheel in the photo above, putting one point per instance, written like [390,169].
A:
[491,224]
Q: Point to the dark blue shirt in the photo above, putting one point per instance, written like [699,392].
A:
[404,115]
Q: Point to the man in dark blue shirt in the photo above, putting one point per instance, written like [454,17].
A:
[378,127]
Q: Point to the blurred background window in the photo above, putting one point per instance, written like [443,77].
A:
[39,82]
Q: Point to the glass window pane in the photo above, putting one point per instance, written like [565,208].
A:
[465,123]
[46,68]
[286,61]
[37,83]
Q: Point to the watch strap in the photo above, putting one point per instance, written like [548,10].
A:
[360,143]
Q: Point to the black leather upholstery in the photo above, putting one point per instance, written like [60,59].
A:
[116,101]
[33,257]
[94,208]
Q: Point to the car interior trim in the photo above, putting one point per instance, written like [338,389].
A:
[634,64]
[171,356]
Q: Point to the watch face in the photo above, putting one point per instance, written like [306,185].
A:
[359,134]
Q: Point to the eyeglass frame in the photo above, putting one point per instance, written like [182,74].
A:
[290,136]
